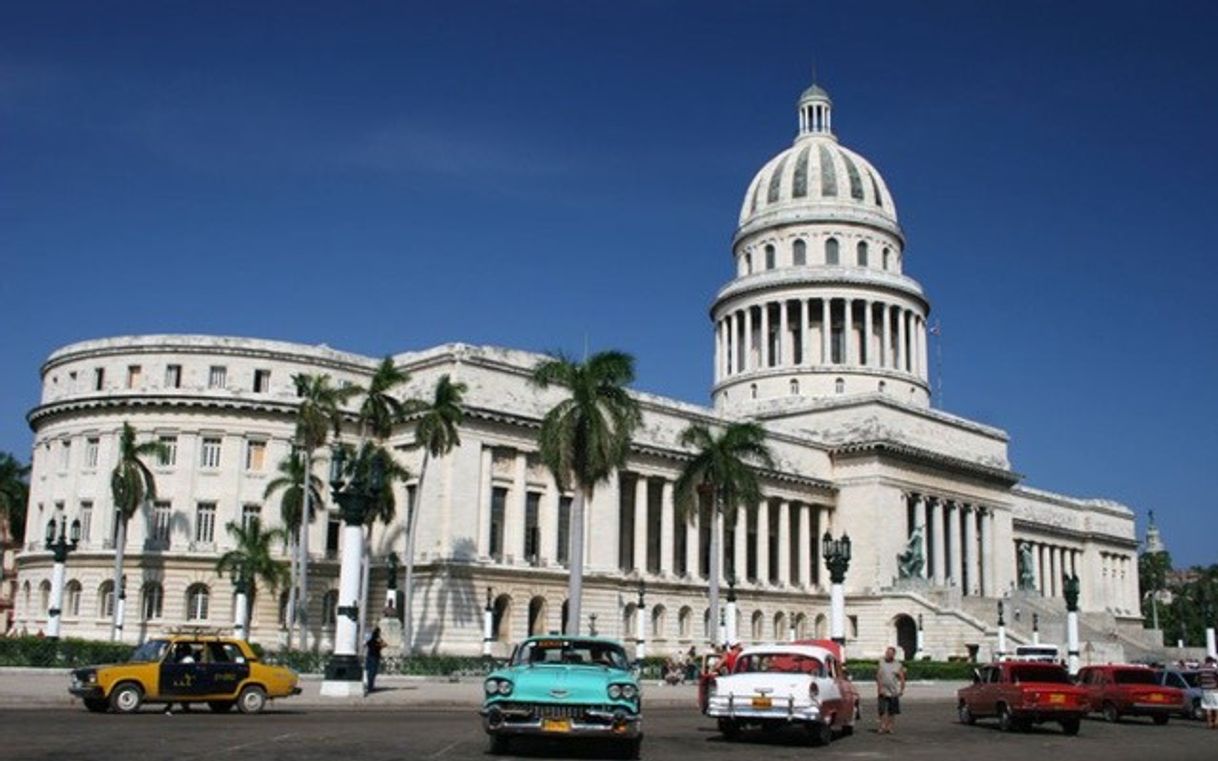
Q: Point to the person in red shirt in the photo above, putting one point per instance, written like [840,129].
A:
[729,658]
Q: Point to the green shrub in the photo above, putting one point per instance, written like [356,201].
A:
[64,653]
[864,671]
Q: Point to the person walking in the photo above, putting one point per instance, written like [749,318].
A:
[890,686]
[372,658]
[1207,680]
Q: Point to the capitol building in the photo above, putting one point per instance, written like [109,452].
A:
[820,336]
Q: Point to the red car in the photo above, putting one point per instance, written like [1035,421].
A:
[1117,691]
[1022,693]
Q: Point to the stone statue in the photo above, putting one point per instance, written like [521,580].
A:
[1027,579]
[910,562]
[391,569]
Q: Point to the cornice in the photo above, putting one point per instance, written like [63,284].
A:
[820,276]
[45,412]
[922,456]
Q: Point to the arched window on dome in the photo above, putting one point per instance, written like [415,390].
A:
[753,391]
[799,253]
[748,264]
[794,387]
[883,387]
[831,252]
[886,255]
[862,253]
[839,386]
[769,257]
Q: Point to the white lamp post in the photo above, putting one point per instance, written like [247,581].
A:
[1070,589]
[837,557]
[61,547]
[640,647]
[1002,633]
[488,625]
[730,634]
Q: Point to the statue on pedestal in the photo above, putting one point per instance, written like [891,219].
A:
[1027,578]
[911,562]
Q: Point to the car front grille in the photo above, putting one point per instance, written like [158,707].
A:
[553,710]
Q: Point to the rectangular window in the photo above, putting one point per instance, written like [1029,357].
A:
[793,545]
[209,453]
[91,445]
[262,381]
[704,536]
[173,376]
[134,374]
[65,455]
[680,548]
[205,522]
[86,520]
[750,549]
[99,378]
[498,504]
[563,546]
[532,534]
[255,455]
[625,522]
[250,514]
[169,457]
[217,376]
[161,516]
[773,543]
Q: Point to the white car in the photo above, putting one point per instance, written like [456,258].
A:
[775,686]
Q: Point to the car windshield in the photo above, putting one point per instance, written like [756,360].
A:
[1134,676]
[1041,674]
[571,651]
[779,663]
[149,652]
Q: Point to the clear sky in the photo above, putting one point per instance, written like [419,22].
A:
[528,173]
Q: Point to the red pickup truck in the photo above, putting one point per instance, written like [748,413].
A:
[1117,691]
[1022,693]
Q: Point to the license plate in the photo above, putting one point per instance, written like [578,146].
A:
[1057,697]
[762,702]
[555,725]
[1156,697]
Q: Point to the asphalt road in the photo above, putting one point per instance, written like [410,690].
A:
[926,730]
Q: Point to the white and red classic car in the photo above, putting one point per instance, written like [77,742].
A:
[801,684]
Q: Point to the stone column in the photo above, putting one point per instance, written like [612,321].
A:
[885,337]
[938,546]
[785,355]
[764,354]
[667,519]
[763,541]
[484,501]
[547,522]
[749,362]
[919,522]
[954,512]
[513,512]
[987,553]
[640,523]
[742,540]
[923,344]
[848,327]
[693,553]
[902,347]
[826,332]
[805,546]
[971,554]
[804,333]
[733,345]
[868,347]
[784,542]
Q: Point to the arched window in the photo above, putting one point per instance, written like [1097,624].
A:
[25,591]
[839,386]
[757,627]
[794,387]
[501,624]
[537,616]
[886,255]
[72,598]
[629,620]
[659,622]
[151,602]
[831,252]
[862,253]
[329,608]
[706,631]
[801,626]
[105,600]
[748,264]
[283,609]
[685,620]
[780,627]
[197,598]
[44,597]
[799,253]
[821,627]
[769,257]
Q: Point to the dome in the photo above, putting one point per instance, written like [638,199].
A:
[817,179]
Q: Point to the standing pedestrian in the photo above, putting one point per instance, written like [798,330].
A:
[1207,680]
[890,686]
[372,658]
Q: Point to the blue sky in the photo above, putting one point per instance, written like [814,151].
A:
[528,173]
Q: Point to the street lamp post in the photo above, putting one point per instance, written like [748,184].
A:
[1070,590]
[731,635]
[1211,648]
[837,558]
[921,637]
[791,626]
[354,496]
[640,646]
[488,625]
[1002,633]
[241,586]
[120,605]
[60,546]
[1035,628]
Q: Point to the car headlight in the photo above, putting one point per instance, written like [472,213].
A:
[505,687]
[491,686]
[615,691]
[629,691]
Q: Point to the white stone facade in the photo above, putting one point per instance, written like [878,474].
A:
[858,449]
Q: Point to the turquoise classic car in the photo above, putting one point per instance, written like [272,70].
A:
[560,686]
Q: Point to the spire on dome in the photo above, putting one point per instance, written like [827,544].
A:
[815,111]
[1154,542]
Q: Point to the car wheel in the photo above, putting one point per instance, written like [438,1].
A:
[966,715]
[500,744]
[252,699]
[821,733]
[1006,722]
[632,748]
[126,698]
[97,705]
[1111,714]
[729,729]
[1160,718]
[221,706]
[1071,726]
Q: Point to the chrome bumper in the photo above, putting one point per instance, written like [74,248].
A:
[496,721]
[780,710]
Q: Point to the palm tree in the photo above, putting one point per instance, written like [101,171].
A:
[720,469]
[380,409]
[359,469]
[436,433]
[14,493]
[318,414]
[291,513]
[251,560]
[131,485]
[585,438]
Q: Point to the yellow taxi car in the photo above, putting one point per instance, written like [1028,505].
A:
[219,671]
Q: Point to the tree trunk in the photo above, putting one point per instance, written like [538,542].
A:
[302,549]
[412,525]
[289,613]
[713,591]
[575,582]
[120,548]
